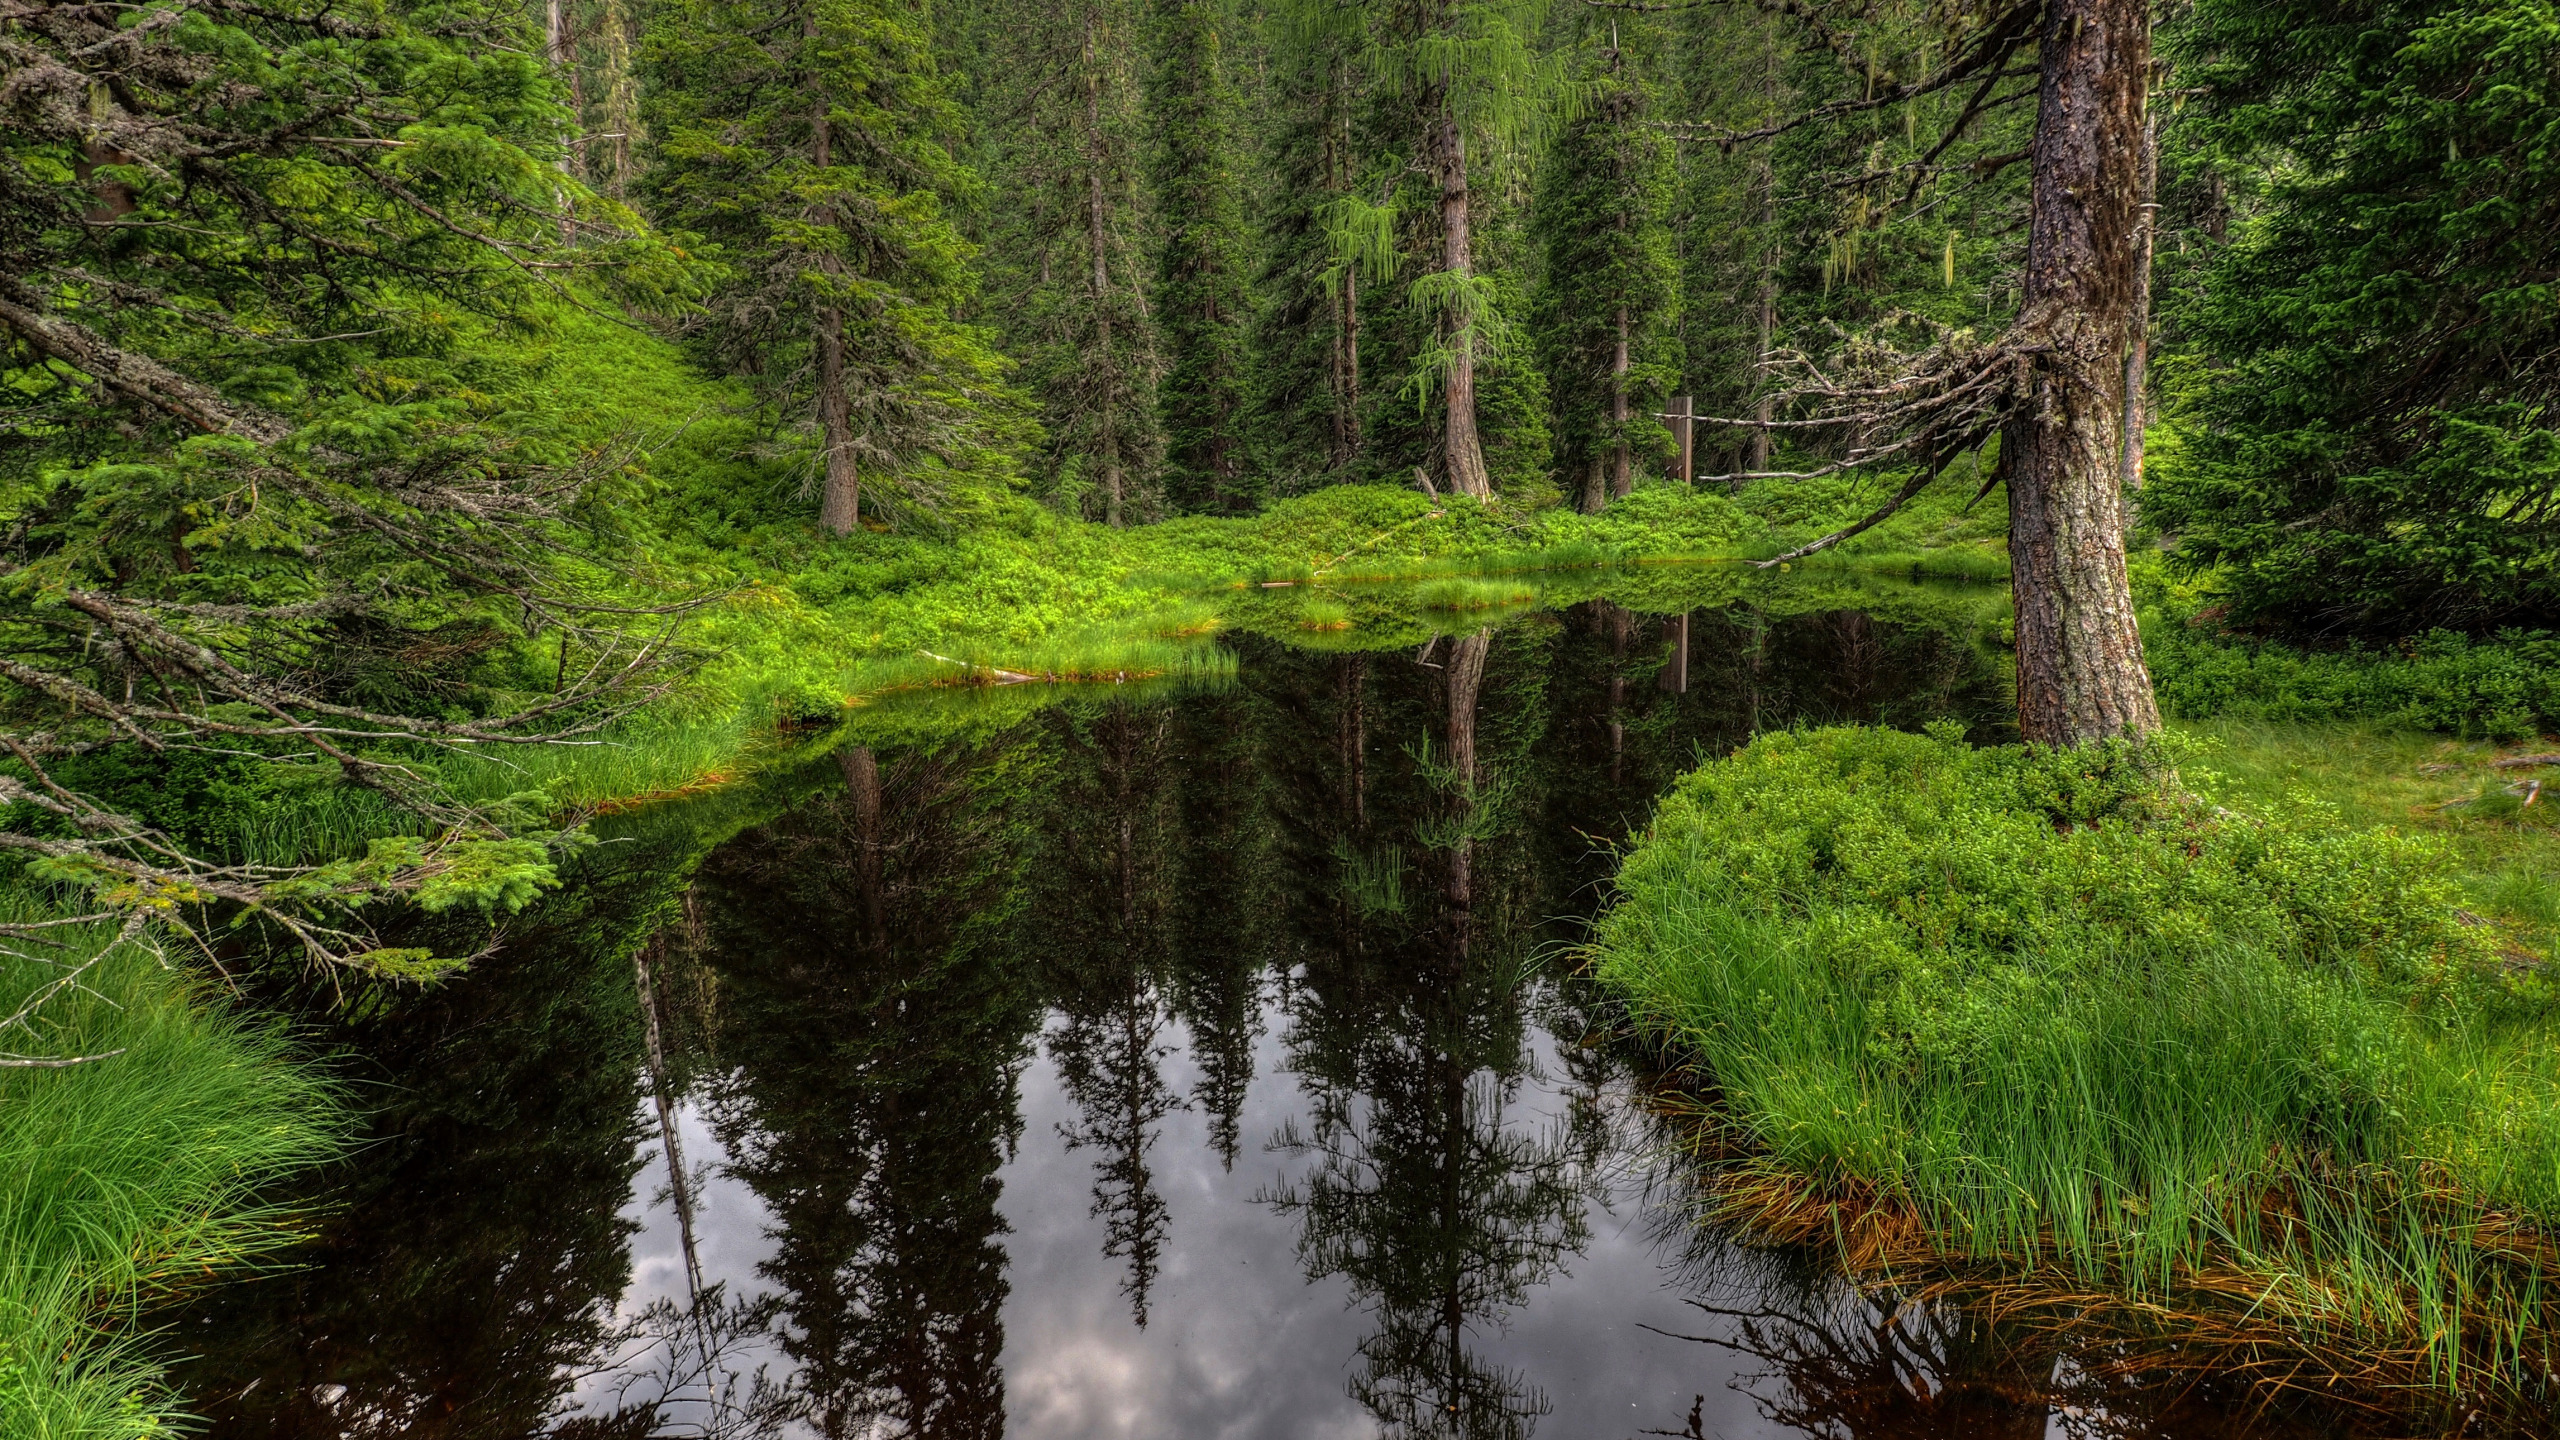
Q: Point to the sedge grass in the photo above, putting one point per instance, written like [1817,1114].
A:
[2229,1139]
[125,1177]
[1474,594]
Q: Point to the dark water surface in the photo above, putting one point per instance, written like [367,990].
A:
[1132,1066]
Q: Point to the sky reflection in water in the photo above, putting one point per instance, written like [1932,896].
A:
[1180,1067]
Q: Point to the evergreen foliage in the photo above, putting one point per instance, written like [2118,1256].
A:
[2363,379]
[809,142]
[1203,305]
[1306,337]
[1069,246]
[1608,316]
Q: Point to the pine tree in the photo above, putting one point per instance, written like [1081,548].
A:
[1610,309]
[1065,144]
[808,140]
[1203,304]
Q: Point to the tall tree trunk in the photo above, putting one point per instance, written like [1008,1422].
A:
[1763,409]
[1097,236]
[2080,670]
[840,502]
[563,53]
[1346,385]
[1622,472]
[1467,474]
[1345,357]
[621,108]
[840,508]
[2137,355]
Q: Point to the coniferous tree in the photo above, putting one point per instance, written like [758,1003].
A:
[1203,304]
[1070,242]
[1458,88]
[1306,348]
[1610,309]
[809,140]
[2369,443]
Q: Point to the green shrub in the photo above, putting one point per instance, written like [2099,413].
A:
[2503,688]
[1935,868]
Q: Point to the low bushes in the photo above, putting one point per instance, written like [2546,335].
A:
[2505,687]
[2039,1018]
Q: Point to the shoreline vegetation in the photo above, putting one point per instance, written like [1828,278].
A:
[796,654]
[2207,1062]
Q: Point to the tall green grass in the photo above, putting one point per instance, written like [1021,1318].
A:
[2212,1130]
[128,1176]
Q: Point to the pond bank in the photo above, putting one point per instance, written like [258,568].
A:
[2253,1082]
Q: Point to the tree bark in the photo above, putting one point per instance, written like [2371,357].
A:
[840,501]
[564,61]
[840,507]
[1622,471]
[1763,409]
[1448,146]
[2080,670]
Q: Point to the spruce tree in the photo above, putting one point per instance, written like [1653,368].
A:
[1203,304]
[1458,88]
[1609,313]
[1306,343]
[808,141]
[2366,403]
[1069,243]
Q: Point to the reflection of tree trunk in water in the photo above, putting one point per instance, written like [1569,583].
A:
[1759,660]
[1453,1150]
[1861,656]
[1675,673]
[1466,677]
[1124,760]
[1353,740]
[678,1183]
[862,779]
[1137,1058]
[1618,624]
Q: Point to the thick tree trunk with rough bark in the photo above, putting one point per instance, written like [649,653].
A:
[2080,671]
[840,505]
[840,501]
[1622,464]
[1448,147]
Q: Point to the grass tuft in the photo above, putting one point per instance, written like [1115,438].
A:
[126,1177]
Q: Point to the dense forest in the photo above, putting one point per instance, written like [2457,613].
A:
[427,428]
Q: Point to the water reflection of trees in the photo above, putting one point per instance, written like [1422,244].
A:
[869,1037]
[1375,837]
[1419,1185]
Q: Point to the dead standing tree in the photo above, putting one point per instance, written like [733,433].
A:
[2061,386]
